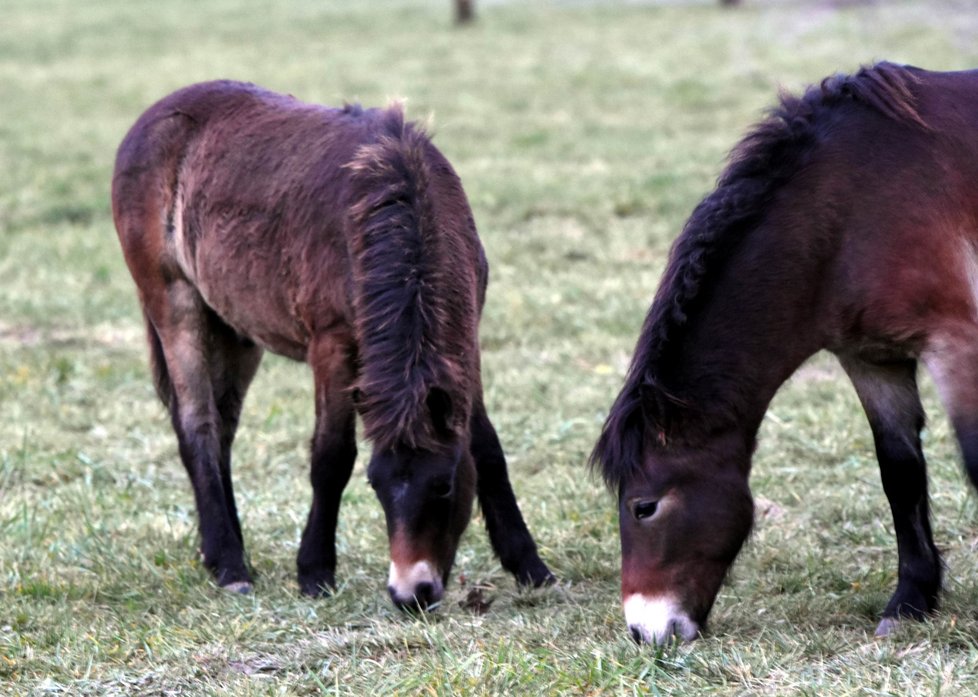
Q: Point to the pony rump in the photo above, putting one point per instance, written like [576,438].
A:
[771,153]
[403,377]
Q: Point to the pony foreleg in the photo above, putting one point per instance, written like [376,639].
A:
[892,403]
[510,538]
[334,450]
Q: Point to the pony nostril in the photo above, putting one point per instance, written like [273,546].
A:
[425,594]
[401,603]
[658,620]
[415,587]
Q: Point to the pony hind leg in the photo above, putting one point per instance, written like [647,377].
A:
[510,538]
[953,362]
[186,357]
[334,450]
[233,362]
[889,396]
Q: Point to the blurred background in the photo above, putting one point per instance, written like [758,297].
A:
[584,132]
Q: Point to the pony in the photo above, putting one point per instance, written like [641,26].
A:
[846,220]
[341,237]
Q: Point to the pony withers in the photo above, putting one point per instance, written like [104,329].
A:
[341,237]
[847,220]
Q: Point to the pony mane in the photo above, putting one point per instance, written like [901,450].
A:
[399,290]
[769,155]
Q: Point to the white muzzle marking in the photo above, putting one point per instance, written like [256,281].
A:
[403,580]
[656,620]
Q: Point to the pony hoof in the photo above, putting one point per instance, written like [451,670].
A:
[316,590]
[886,627]
[239,587]
[536,575]
[317,587]
[548,580]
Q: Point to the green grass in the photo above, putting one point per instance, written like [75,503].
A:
[584,133]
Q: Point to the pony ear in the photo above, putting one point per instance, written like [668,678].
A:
[440,408]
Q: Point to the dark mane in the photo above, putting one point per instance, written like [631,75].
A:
[761,163]
[399,292]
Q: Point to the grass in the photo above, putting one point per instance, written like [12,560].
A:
[584,132]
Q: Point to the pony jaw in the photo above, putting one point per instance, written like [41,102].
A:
[656,619]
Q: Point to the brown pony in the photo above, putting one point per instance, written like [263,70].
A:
[341,237]
[848,221]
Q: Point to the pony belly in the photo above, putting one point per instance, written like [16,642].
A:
[252,289]
[254,308]
[263,321]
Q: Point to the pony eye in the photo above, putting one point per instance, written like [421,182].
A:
[441,490]
[644,509]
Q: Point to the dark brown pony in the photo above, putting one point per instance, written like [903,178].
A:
[848,221]
[341,237]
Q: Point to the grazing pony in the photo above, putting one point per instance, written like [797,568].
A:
[341,237]
[847,220]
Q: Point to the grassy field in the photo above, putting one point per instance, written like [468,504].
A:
[584,132]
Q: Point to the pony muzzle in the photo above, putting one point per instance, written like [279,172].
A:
[658,619]
[416,586]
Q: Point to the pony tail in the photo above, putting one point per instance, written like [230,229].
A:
[157,364]
[396,316]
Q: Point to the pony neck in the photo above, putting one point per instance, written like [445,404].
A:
[748,333]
